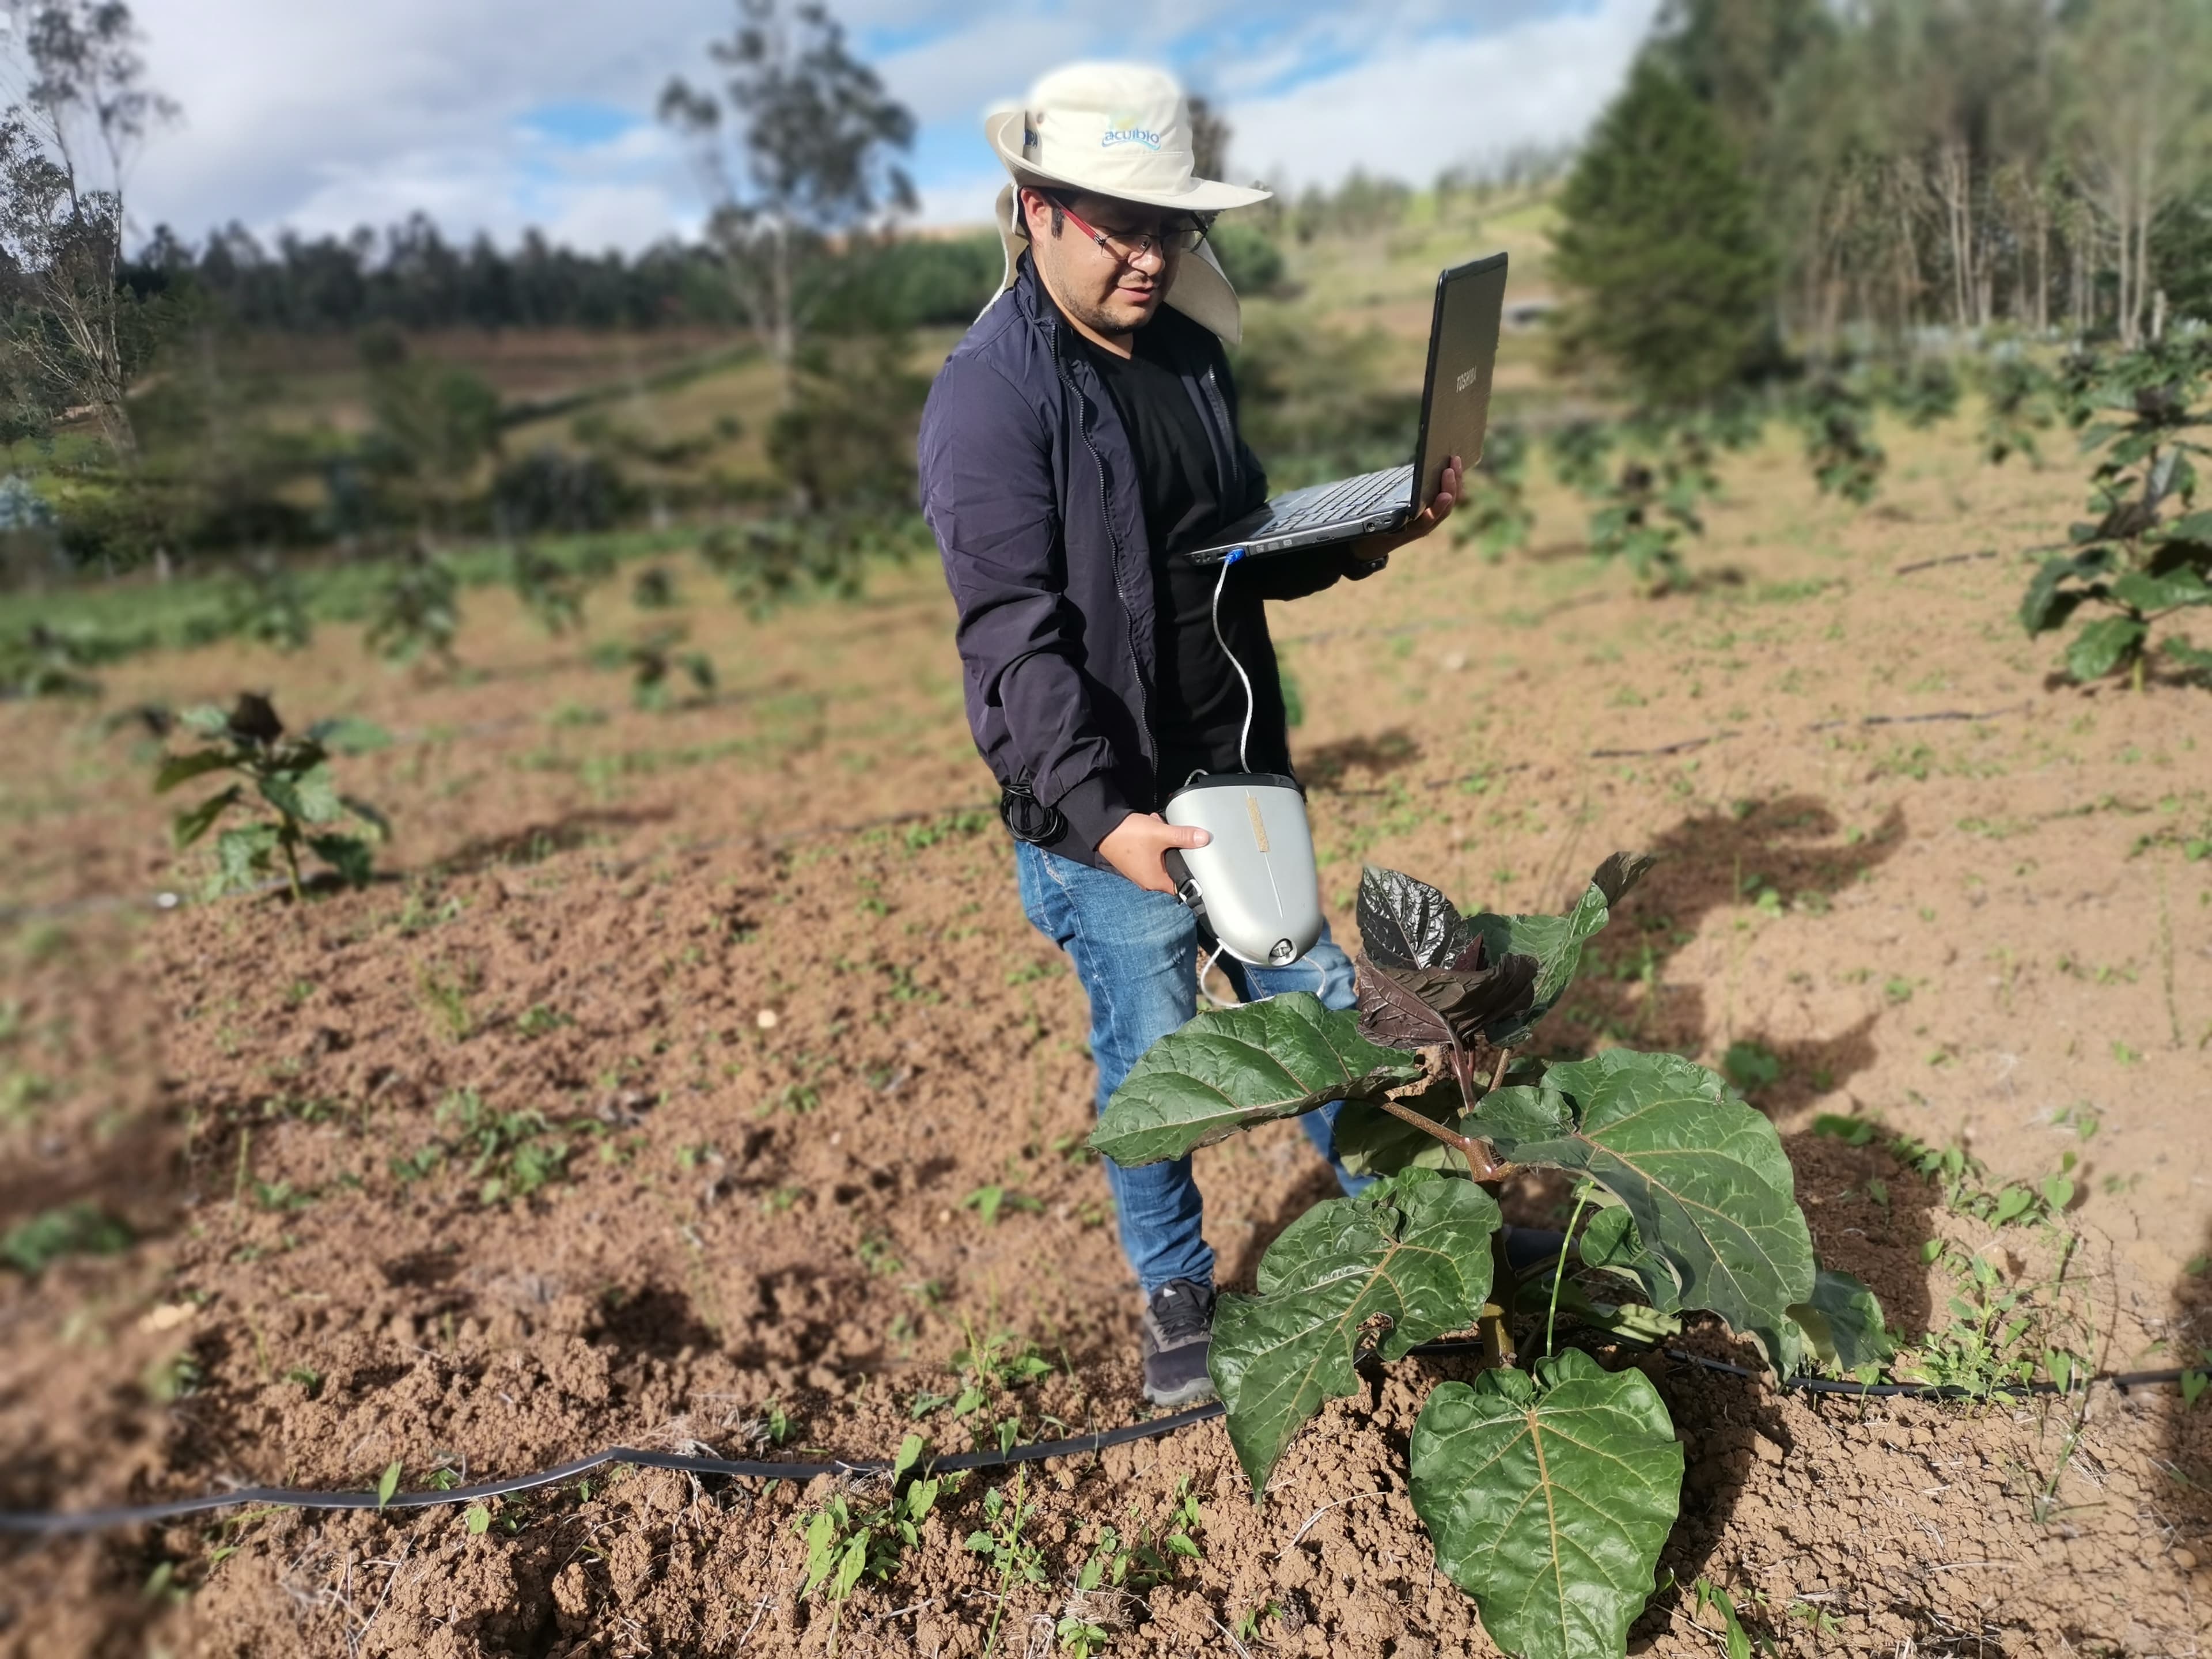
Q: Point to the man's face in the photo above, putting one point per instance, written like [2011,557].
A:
[1115,288]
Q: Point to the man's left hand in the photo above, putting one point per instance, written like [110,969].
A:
[1377,549]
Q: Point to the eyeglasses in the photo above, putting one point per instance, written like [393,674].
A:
[1130,245]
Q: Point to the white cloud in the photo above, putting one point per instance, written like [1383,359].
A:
[324,114]
[1417,106]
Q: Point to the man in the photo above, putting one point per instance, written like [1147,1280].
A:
[1077,444]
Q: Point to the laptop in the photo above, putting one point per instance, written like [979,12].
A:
[1455,411]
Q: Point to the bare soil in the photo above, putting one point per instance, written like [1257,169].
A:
[757,967]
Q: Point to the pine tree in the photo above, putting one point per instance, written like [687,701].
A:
[1670,279]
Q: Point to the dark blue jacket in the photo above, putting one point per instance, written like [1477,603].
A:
[1030,481]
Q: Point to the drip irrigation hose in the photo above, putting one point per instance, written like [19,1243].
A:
[49,1524]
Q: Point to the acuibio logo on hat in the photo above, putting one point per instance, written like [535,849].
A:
[1127,127]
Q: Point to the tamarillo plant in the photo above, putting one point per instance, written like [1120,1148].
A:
[1548,1489]
[1495,515]
[1836,412]
[292,777]
[2018,401]
[2146,556]
[1653,502]
[549,590]
[417,610]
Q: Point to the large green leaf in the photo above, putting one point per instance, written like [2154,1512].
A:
[1556,942]
[1415,1252]
[2103,645]
[1703,1175]
[1371,1141]
[1548,1499]
[1611,1243]
[1232,1067]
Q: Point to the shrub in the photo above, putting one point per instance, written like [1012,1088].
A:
[1549,1490]
[549,489]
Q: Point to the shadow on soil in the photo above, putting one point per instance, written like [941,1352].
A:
[541,841]
[2187,1460]
[1324,766]
[1776,855]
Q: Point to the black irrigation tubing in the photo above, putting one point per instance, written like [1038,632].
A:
[49,1524]
[1955,558]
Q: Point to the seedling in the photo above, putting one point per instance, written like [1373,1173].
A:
[291,776]
[654,664]
[2146,555]
[267,607]
[1526,1479]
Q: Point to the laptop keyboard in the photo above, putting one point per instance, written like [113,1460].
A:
[1350,498]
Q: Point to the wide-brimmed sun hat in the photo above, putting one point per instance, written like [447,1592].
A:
[1120,130]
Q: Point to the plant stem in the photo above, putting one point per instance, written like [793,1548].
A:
[1482,1162]
[1551,1316]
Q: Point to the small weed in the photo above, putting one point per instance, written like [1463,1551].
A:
[988,1201]
[846,1543]
[30,1247]
[538,1020]
[447,994]
[1001,1538]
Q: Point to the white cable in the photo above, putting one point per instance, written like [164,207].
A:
[1206,968]
[1251,703]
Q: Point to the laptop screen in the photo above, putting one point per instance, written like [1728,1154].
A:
[1463,356]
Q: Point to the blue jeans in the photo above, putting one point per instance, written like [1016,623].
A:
[1136,953]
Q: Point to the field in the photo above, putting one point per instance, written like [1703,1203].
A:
[690,1078]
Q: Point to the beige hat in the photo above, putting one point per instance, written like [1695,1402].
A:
[1121,131]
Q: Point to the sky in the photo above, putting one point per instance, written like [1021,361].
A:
[495,115]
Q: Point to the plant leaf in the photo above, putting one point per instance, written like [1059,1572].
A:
[1841,1324]
[1228,1068]
[1415,1252]
[1548,1499]
[478,1519]
[2102,645]
[1556,942]
[387,1483]
[2190,527]
[1702,1174]
[189,825]
[1405,923]
[350,855]
[311,796]
[1412,1007]
[243,853]
[2043,607]
[349,734]
[182,769]
[2167,592]
[1610,1243]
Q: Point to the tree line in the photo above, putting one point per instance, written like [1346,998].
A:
[410,276]
[1795,174]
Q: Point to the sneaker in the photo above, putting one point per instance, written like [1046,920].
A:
[1178,1334]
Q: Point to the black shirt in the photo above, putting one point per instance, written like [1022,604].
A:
[1198,706]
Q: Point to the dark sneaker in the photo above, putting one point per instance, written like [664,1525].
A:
[1178,1332]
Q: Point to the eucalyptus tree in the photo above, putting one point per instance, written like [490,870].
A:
[77,115]
[794,150]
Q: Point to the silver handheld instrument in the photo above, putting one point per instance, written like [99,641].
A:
[1253,885]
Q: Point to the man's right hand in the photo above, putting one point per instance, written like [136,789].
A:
[1133,847]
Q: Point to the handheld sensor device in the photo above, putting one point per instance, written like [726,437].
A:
[1253,885]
